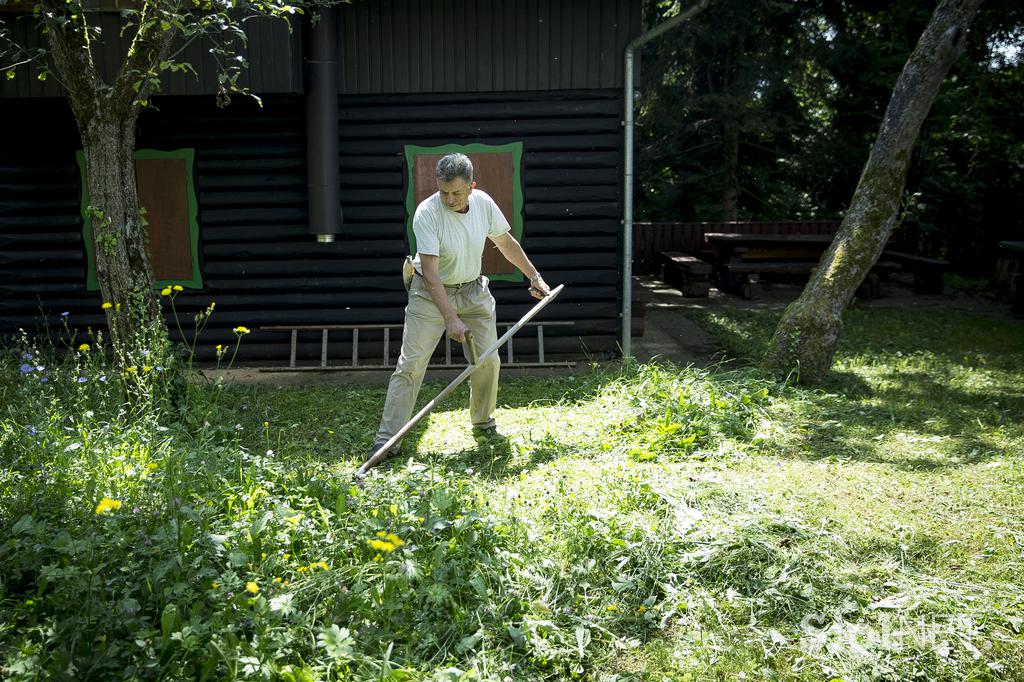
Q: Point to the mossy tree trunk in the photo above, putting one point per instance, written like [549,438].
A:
[106,115]
[808,334]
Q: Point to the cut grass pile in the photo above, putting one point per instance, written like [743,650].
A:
[643,523]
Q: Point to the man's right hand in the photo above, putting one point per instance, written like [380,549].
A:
[456,329]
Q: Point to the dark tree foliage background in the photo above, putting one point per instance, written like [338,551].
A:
[767,109]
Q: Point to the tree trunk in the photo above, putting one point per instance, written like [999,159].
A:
[730,169]
[808,334]
[119,234]
[106,117]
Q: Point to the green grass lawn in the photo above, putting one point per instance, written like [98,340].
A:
[639,523]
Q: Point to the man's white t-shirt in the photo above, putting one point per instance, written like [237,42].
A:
[457,239]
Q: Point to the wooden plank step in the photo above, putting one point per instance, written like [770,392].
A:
[691,265]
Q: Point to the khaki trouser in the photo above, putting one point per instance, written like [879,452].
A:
[424,326]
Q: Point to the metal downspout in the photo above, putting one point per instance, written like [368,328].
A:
[627,192]
[322,127]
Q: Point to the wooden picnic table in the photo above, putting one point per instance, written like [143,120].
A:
[741,258]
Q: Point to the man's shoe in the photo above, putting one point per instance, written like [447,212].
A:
[488,432]
[394,451]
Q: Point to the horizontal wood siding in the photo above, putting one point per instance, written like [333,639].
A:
[407,46]
[260,265]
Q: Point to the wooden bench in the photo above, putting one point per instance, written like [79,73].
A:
[745,277]
[928,272]
[689,274]
[871,287]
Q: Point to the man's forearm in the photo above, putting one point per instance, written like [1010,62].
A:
[440,298]
[512,250]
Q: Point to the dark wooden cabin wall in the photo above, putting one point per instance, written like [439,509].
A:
[260,265]
[404,46]
[399,46]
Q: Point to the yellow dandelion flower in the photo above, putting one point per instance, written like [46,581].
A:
[178,287]
[263,555]
[302,569]
[277,579]
[286,556]
[219,348]
[393,509]
[216,585]
[395,540]
[323,565]
[151,466]
[252,587]
[612,607]
[107,305]
[381,534]
[84,347]
[107,505]
[286,583]
[381,545]
[133,368]
[117,308]
[241,330]
[146,368]
[166,291]
[378,558]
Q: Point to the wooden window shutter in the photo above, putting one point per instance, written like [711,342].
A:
[497,170]
[164,180]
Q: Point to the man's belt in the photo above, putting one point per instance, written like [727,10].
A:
[409,271]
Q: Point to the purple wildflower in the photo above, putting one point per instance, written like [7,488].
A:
[26,356]
[32,430]
[103,378]
[44,380]
[26,368]
[65,313]
[82,380]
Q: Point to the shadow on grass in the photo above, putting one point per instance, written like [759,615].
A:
[947,379]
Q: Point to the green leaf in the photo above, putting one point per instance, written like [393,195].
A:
[24,525]
[468,642]
[517,636]
[582,639]
[168,621]
[337,642]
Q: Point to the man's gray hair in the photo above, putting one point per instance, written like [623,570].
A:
[453,166]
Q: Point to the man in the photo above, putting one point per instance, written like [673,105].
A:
[449,295]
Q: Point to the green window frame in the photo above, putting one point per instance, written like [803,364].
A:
[515,220]
[187,155]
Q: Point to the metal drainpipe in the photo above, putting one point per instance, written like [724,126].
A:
[322,128]
[627,192]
